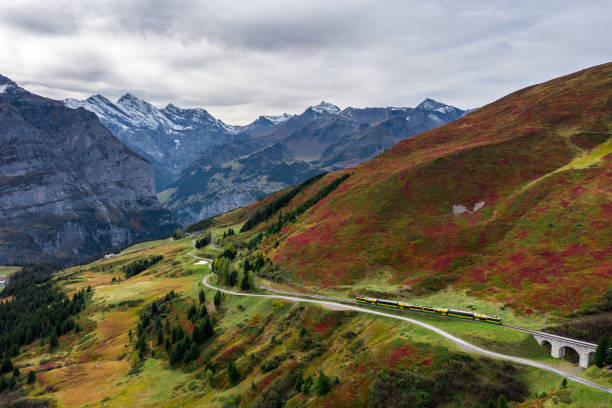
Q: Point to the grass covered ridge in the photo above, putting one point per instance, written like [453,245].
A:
[537,166]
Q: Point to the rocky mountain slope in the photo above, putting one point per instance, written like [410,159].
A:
[511,203]
[323,138]
[170,138]
[68,188]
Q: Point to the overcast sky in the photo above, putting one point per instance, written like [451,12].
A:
[240,59]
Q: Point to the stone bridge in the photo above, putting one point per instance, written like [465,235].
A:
[559,344]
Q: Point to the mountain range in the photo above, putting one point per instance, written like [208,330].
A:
[69,189]
[206,167]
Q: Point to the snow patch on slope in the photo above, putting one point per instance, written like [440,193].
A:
[460,209]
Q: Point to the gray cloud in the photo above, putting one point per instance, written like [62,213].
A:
[242,59]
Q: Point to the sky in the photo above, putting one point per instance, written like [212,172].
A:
[242,59]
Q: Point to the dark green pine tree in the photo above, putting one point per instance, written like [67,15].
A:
[53,342]
[31,377]
[323,384]
[218,298]
[7,366]
[600,357]
[233,375]
[246,283]
[202,296]
[490,404]
[502,402]
[207,330]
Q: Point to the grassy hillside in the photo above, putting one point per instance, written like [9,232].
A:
[511,203]
[276,347]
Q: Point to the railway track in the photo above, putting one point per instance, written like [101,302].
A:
[348,304]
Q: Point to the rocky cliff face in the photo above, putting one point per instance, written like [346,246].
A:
[68,188]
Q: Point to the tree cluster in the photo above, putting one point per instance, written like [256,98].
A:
[205,240]
[603,353]
[266,211]
[134,268]
[154,328]
[484,380]
[230,277]
[253,242]
[254,264]
[292,215]
[178,234]
[37,309]
[229,252]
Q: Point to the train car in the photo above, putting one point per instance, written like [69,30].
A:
[361,299]
[416,308]
[387,303]
[487,319]
[441,311]
[459,314]
[404,306]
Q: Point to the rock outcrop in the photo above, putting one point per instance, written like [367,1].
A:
[69,189]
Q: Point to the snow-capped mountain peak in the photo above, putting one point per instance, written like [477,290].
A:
[326,107]
[432,105]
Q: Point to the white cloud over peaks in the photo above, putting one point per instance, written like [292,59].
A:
[245,58]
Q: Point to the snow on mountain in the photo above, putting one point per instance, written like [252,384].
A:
[326,107]
[431,105]
[278,119]
[170,138]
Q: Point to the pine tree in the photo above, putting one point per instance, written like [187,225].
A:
[218,298]
[323,384]
[207,330]
[233,375]
[53,342]
[178,234]
[601,352]
[502,402]
[245,284]
[31,377]
[7,366]
[192,313]
[564,383]
[196,336]
[15,372]
[192,354]
[202,296]
[490,404]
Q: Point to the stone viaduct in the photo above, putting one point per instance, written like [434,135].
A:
[559,344]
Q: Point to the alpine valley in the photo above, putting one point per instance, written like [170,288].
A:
[485,240]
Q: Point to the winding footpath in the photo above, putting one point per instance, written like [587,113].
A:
[461,343]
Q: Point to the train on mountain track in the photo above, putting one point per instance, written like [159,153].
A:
[459,314]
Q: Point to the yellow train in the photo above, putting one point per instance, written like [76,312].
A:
[429,309]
